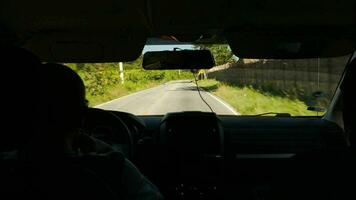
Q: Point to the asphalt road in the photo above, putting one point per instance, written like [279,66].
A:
[175,96]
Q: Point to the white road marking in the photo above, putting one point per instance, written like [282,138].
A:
[129,95]
[223,103]
[135,93]
[232,110]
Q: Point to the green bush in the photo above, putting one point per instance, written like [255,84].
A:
[248,100]
[102,80]
[140,75]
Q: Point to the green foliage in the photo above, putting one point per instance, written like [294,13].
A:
[97,77]
[102,80]
[136,64]
[103,84]
[250,101]
[139,75]
[222,53]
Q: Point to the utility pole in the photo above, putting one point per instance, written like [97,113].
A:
[121,65]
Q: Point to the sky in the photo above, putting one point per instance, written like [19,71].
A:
[165,47]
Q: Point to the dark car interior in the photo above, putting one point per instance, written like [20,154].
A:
[194,155]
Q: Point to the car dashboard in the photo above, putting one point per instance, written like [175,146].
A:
[191,155]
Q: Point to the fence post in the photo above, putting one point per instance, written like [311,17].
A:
[121,65]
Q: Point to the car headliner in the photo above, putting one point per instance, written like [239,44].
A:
[113,30]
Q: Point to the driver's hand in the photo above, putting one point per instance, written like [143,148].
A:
[101,146]
[86,144]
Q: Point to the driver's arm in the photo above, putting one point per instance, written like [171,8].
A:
[88,144]
[137,186]
[102,147]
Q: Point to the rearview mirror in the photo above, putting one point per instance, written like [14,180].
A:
[183,59]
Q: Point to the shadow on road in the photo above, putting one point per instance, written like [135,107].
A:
[211,88]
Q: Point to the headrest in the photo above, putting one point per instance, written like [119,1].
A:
[19,83]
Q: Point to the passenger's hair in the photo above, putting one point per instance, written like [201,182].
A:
[64,96]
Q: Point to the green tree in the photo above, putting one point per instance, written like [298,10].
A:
[136,64]
[221,52]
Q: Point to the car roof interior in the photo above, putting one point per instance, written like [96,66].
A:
[242,157]
[67,31]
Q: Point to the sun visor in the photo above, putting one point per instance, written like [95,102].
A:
[85,48]
[276,45]
[186,16]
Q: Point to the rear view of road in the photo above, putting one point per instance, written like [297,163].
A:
[175,96]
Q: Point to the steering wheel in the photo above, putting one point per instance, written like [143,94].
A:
[109,128]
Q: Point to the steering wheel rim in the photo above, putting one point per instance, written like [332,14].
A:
[98,119]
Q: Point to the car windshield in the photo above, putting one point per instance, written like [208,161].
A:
[235,86]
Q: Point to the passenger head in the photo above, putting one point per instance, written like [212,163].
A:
[63,98]
[43,105]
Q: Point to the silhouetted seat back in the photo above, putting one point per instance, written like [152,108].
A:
[23,180]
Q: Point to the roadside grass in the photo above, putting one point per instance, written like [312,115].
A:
[103,84]
[250,101]
[102,81]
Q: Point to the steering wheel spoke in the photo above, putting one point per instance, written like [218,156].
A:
[109,128]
